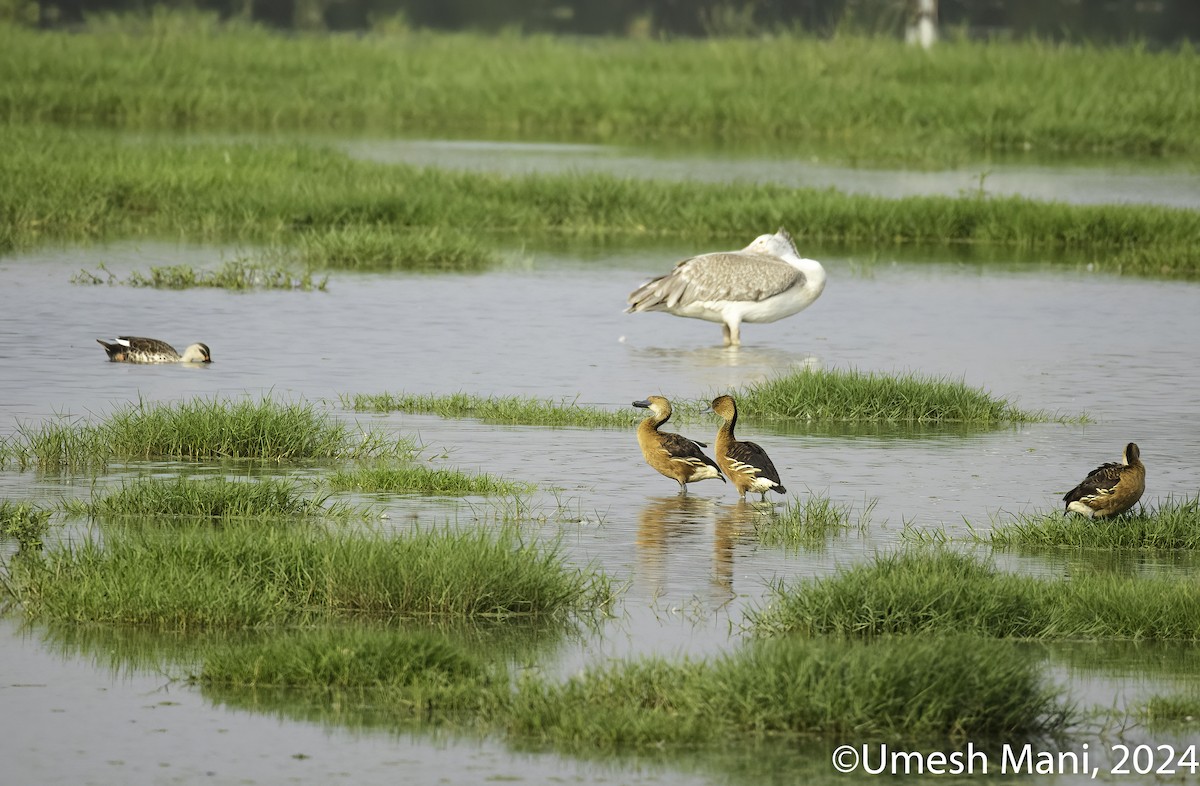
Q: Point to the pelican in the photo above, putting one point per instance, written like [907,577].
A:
[135,349]
[675,456]
[1110,489]
[765,281]
[746,463]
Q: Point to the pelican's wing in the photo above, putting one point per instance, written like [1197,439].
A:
[727,275]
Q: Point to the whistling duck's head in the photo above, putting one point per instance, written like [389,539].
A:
[656,404]
[1132,453]
[725,407]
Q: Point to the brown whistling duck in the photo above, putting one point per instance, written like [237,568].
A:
[745,463]
[675,456]
[1110,489]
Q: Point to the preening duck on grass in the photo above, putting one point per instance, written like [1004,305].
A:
[1110,489]
[745,463]
[674,455]
[135,349]
[765,281]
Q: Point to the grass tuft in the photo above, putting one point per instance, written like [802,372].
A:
[936,591]
[810,521]
[24,522]
[198,429]
[237,274]
[342,657]
[209,498]
[911,689]
[850,395]
[418,479]
[1172,526]
[246,575]
[1171,711]
[516,410]
[379,248]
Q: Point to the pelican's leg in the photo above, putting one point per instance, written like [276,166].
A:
[682,489]
[732,331]
[725,334]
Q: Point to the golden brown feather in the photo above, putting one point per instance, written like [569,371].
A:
[673,455]
[746,463]
[1110,489]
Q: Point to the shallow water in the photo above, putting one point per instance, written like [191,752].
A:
[1096,183]
[550,325]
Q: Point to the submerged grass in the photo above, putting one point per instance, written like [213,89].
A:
[24,522]
[247,575]
[1171,711]
[419,479]
[237,274]
[197,429]
[210,498]
[851,395]
[935,591]
[516,410]
[911,689]
[813,519]
[1174,525]
[346,657]
[863,97]
[64,185]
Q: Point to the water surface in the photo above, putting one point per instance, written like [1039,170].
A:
[549,324]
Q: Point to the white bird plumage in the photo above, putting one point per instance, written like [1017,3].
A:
[765,281]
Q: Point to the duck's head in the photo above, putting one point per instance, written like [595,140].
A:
[1132,453]
[196,353]
[725,407]
[777,245]
[656,404]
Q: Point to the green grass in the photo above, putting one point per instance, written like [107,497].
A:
[343,657]
[247,575]
[934,591]
[66,185]
[851,395]
[910,689]
[208,429]
[808,521]
[1171,711]
[379,247]
[237,274]
[515,410]
[863,98]
[419,479]
[1172,526]
[207,498]
[24,522]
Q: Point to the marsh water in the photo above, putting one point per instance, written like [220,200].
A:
[548,322]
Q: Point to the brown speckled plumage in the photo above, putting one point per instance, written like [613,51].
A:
[745,463]
[1110,489]
[673,455]
[137,349]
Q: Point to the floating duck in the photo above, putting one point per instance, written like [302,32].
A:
[1110,489]
[135,349]
[673,455]
[765,281]
[746,463]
